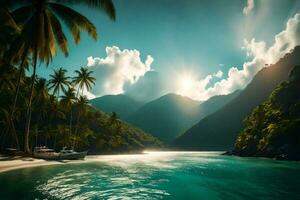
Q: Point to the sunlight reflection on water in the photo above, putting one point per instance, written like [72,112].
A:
[128,177]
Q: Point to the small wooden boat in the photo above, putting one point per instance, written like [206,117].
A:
[45,153]
[69,154]
[64,154]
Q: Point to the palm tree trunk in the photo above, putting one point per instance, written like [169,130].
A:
[71,118]
[55,138]
[76,129]
[12,115]
[17,90]
[15,134]
[77,121]
[37,129]
[29,110]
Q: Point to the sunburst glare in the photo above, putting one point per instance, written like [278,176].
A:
[185,84]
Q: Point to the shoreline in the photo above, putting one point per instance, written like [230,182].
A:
[19,162]
[10,163]
[277,157]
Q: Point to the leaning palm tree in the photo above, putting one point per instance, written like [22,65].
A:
[9,31]
[42,32]
[59,82]
[83,80]
[68,100]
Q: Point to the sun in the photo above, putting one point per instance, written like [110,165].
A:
[185,84]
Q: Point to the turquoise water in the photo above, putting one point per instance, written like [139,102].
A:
[157,175]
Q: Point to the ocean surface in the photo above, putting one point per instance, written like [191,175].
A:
[157,175]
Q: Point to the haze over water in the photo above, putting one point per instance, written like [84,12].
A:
[157,175]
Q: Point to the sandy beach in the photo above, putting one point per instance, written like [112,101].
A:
[8,163]
[18,162]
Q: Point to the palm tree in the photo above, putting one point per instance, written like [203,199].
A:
[9,31]
[41,99]
[54,112]
[68,100]
[41,90]
[83,80]
[59,82]
[81,105]
[42,32]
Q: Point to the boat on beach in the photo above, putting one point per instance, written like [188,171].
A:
[64,154]
[69,154]
[45,153]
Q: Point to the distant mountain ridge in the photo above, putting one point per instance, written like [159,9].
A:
[219,130]
[123,105]
[172,114]
[215,103]
[166,116]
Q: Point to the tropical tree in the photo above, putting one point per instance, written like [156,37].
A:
[59,82]
[68,100]
[42,32]
[54,112]
[41,102]
[41,90]
[81,105]
[9,30]
[83,80]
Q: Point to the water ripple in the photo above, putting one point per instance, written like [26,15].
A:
[102,183]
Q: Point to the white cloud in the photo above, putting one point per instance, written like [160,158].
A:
[88,94]
[219,74]
[118,68]
[249,7]
[236,79]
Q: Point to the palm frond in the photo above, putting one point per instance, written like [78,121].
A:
[23,14]
[106,5]
[74,21]
[7,20]
[60,37]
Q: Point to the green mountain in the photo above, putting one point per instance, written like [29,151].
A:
[123,105]
[215,103]
[112,135]
[219,130]
[170,115]
[273,128]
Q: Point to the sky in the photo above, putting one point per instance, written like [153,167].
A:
[195,48]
